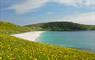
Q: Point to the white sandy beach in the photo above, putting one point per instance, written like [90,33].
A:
[31,36]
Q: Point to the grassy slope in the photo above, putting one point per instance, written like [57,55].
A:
[9,28]
[12,48]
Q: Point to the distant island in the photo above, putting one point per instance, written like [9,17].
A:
[60,26]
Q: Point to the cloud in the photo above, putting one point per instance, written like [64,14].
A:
[28,5]
[87,3]
[84,18]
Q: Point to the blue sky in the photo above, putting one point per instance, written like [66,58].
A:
[24,12]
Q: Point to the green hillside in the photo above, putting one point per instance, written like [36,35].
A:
[12,48]
[9,28]
[61,26]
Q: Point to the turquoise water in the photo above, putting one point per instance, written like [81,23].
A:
[78,39]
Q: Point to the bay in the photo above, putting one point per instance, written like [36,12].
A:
[70,39]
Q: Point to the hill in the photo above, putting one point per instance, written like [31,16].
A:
[9,28]
[60,26]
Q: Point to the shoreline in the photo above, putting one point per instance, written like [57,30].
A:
[31,36]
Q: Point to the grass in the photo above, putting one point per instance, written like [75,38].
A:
[9,28]
[12,48]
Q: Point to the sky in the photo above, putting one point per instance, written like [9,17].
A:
[24,12]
